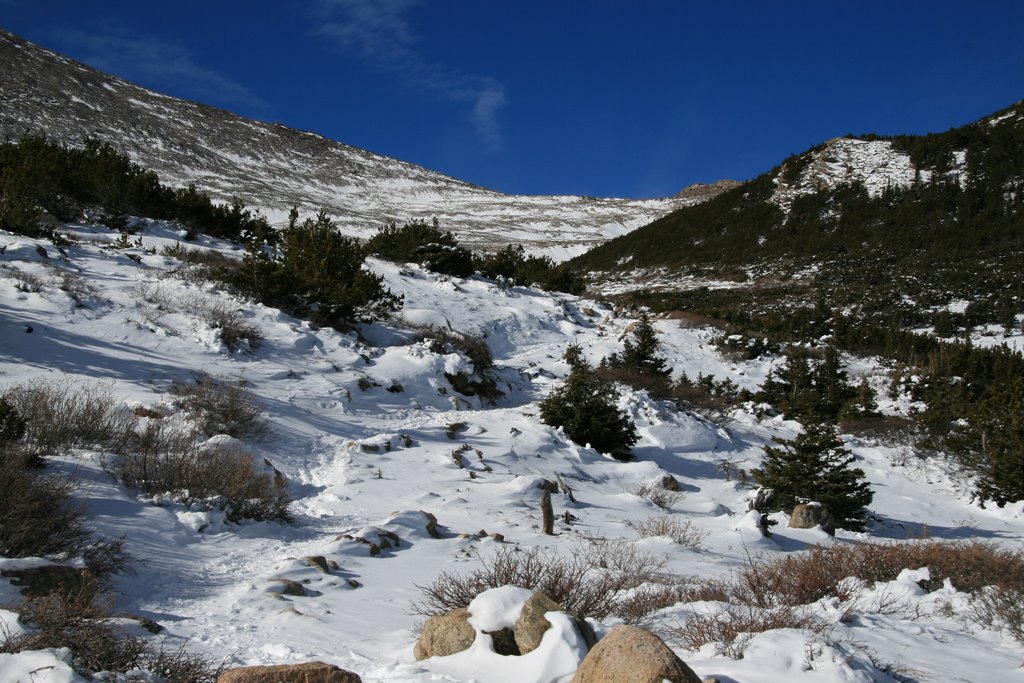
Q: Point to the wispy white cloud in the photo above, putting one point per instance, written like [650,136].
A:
[378,32]
[156,63]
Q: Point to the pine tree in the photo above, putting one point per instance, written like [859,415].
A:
[1000,423]
[641,352]
[585,409]
[815,467]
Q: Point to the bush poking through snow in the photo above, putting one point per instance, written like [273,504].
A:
[62,415]
[231,325]
[657,494]
[220,407]
[768,594]
[38,516]
[731,629]
[170,460]
[680,531]
[594,582]
[83,624]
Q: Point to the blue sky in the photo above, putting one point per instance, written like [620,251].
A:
[594,97]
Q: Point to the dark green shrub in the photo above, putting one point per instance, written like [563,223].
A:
[427,245]
[639,363]
[511,264]
[815,467]
[316,273]
[585,408]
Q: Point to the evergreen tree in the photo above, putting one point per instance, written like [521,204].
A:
[815,467]
[585,409]
[999,424]
[641,352]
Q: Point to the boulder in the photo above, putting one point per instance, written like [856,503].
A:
[309,672]
[669,483]
[445,635]
[810,515]
[628,653]
[532,623]
[289,587]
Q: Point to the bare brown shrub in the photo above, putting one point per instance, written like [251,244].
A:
[637,605]
[61,415]
[80,623]
[576,582]
[994,575]
[1000,607]
[699,401]
[657,386]
[731,630]
[83,624]
[657,494]
[680,531]
[221,406]
[444,340]
[169,459]
[231,325]
[889,430]
[38,516]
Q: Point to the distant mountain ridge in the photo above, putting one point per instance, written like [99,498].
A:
[939,198]
[273,167]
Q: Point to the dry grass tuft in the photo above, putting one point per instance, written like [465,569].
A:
[680,531]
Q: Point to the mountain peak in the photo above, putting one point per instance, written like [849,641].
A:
[272,167]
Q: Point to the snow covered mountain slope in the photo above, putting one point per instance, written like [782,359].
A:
[875,164]
[273,168]
[371,435]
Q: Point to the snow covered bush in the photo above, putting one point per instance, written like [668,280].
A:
[585,407]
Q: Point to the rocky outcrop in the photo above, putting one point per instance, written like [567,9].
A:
[309,672]
[632,654]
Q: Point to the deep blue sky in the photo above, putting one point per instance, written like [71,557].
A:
[598,97]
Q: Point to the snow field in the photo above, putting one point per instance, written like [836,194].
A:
[364,425]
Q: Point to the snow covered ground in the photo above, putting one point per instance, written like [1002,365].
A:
[364,426]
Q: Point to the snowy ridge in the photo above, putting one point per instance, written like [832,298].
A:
[272,167]
[364,426]
[871,163]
